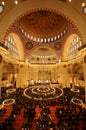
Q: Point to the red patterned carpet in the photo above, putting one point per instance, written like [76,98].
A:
[20,120]
[35,114]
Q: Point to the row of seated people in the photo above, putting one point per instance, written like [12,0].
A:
[68,118]
[71,117]
[64,99]
[9,121]
[44,120]
[23,102]
[29,114]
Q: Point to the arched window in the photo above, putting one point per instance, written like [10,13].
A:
[11,44]
[75,44]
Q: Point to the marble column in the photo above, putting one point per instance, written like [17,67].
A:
[73,82]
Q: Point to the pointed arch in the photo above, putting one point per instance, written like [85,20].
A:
[19,45]
[67,46]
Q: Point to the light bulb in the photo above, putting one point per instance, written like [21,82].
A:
[83,4]
[16,2]
[70,0]
[3,2]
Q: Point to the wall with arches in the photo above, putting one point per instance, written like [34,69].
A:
[17,11]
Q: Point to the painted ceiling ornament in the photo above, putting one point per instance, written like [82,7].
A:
[29,45]
[57,45]
[43,25]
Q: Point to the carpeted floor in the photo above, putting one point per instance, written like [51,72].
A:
[20,120]
[64,114]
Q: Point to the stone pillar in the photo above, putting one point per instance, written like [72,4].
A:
[73,82]
[1,71]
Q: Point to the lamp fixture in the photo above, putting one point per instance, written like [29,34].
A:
[1,8]
[16,2]
[70,0]
[3,3]
[84,9]
[84,6]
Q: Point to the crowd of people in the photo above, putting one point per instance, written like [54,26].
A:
[69,116]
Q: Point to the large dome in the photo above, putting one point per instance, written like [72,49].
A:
[43,24]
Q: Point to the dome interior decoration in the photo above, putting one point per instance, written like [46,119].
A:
[42,25]
[29,45]
[57,45]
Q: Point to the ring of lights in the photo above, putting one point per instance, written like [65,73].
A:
[43,89]
[43,92]
[77,101]
[75,90]
[9,91]
[8,102]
